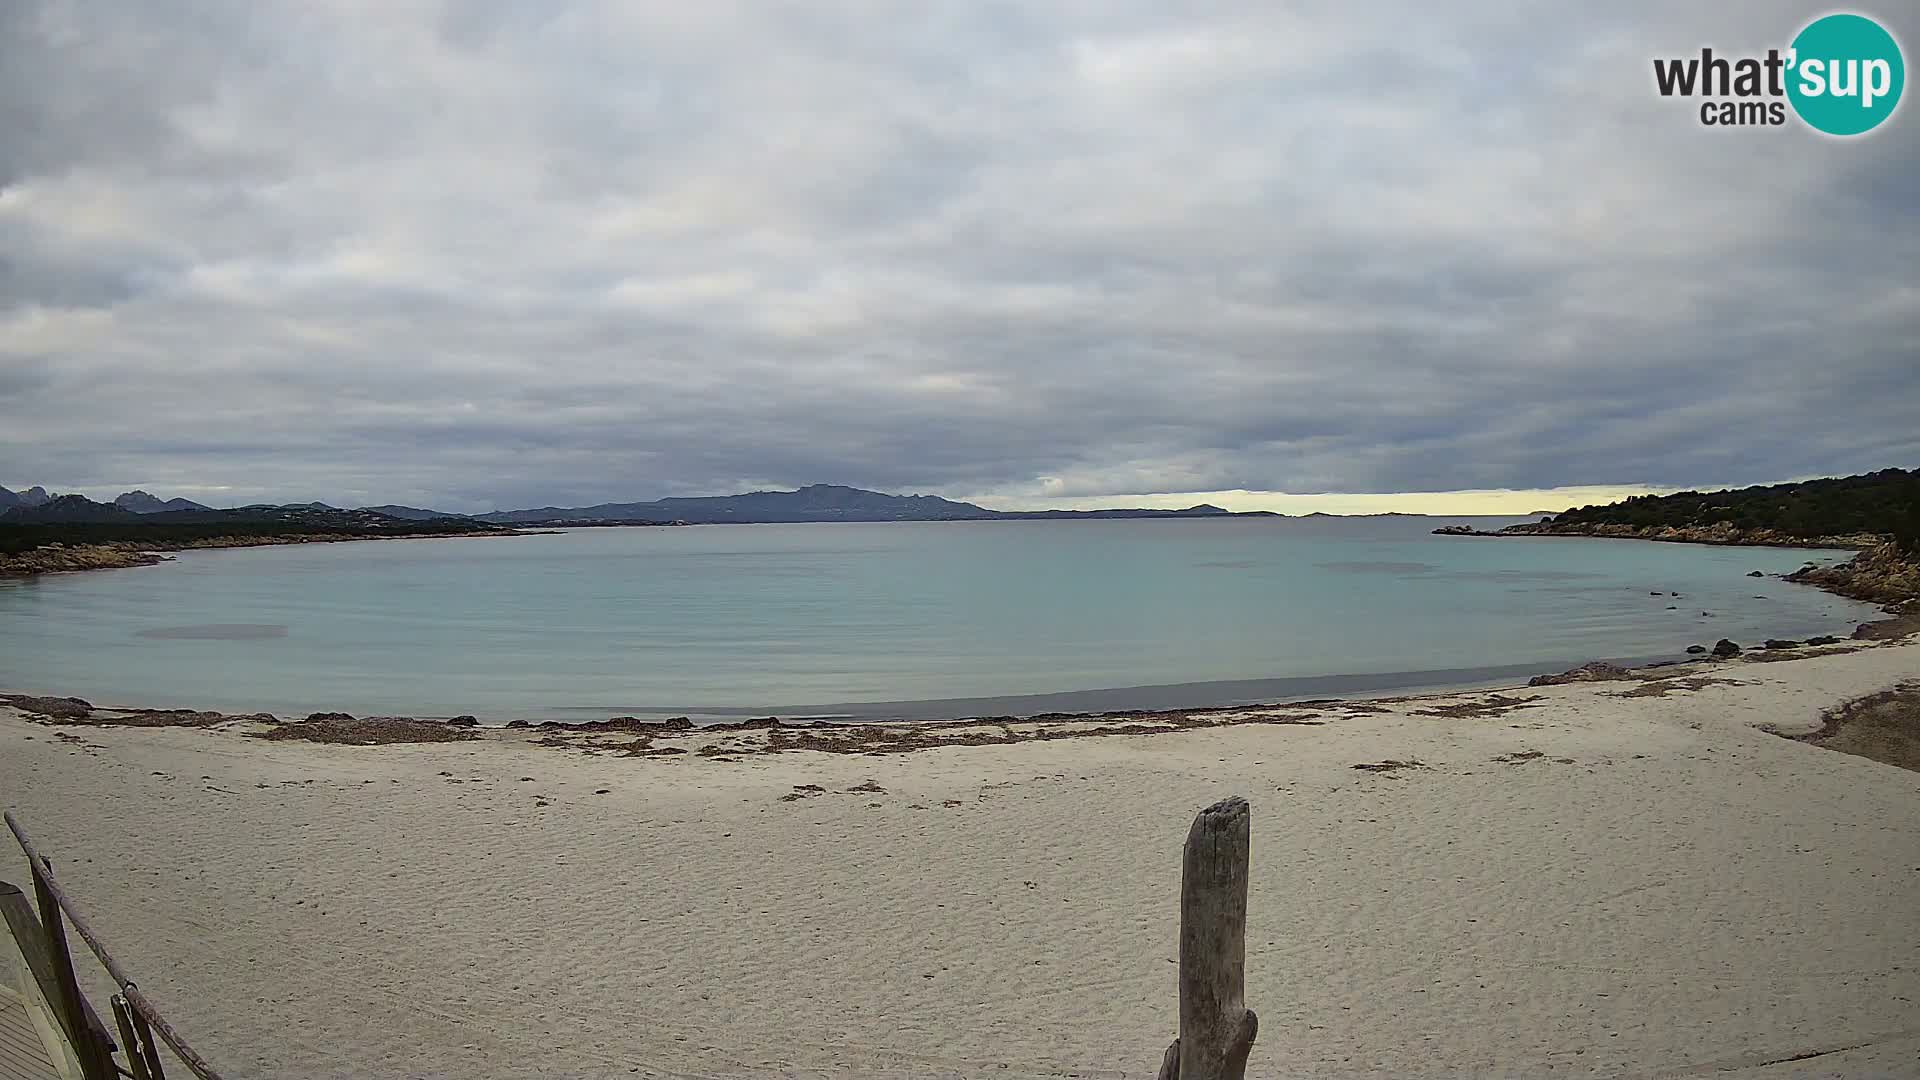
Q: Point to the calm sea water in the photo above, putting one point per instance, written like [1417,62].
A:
[891,619]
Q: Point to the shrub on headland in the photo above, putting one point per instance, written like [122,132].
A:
[1884,503]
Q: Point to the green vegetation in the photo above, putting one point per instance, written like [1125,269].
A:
[169,535]
[1885,502]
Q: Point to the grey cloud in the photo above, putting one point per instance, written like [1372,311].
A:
[490,256]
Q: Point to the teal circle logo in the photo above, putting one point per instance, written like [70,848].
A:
[1845,74]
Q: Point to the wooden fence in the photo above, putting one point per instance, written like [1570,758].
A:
[43,942]
[1216,1028]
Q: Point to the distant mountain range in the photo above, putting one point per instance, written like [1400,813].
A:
[33,496]
[816,502]
[142,503]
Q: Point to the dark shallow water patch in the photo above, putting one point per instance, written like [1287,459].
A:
[217,631]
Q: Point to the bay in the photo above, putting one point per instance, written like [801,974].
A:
[911,620]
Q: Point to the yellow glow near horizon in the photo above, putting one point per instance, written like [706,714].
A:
[1439,503]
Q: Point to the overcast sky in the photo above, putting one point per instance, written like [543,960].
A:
[490,254]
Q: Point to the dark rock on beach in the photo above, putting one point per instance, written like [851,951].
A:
[65,708]
[1779,643]
[464,720]
[1725,648]
[630,724]
[1823,639]
[1592,671]
[373,731]
[518,724]
[1695,650]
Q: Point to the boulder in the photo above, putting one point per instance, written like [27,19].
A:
[1591,671]
[1823,639]
[1724,648]
[1696,650]
[464,720]
[518,724]
[1755,573]
[1778,643]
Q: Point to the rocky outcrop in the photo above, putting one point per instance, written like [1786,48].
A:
[1723,533]
[64,708]
[1724,648]
[372,731]
[60,558]
[1591,671]
[1878,575]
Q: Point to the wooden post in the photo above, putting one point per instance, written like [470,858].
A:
[148,1049]
[95,1062]
[1216,1027]
[136,1061]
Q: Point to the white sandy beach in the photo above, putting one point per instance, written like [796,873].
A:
[1666,891]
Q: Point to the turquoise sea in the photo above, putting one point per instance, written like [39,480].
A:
[914,620]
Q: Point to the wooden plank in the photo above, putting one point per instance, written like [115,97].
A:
[23,1056]
[1216,1027]
[24,925]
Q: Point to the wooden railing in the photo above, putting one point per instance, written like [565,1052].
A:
[43,941]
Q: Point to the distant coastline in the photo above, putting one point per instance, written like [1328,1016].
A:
[62,558]
[1720,535]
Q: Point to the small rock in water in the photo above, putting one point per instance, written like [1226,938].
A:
[1778,643]
[1823,639]
[1696,650]
[463,720]
[1755,573]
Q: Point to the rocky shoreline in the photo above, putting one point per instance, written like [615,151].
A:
[1722,534]
[57,558]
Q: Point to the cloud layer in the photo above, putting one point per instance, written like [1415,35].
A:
[490,254]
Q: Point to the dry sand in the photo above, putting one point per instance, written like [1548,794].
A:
[1604,879]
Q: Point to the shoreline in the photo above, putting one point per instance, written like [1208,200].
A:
[58,558]
[61,558]
[1507,882]
[1840,580]
[823,731]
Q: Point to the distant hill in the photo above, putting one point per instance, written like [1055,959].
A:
[308,516]
[73,520]
[1877,504]
[1202,510]
[408,513]
[33,496]
[141,502]
[816,502]
[67,508]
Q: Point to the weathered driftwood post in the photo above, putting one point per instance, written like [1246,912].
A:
[1216,1027]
